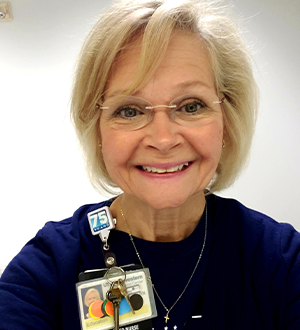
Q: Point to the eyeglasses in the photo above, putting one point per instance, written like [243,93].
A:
[129,113]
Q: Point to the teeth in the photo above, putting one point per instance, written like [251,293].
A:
[172,169]
[158,170]
[164,170]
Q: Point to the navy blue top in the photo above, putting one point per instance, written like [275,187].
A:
[248,277]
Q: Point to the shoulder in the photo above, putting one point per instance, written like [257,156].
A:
[71,229]
[47,268]
[259,254]
[246,220]
[58,243]
[265,245]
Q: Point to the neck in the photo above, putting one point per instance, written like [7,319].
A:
[166,225]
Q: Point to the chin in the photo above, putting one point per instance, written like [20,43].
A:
[165,203]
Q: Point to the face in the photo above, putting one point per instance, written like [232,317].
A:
[165,164]
[92,296]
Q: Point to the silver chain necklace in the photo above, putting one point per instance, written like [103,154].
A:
[168,310]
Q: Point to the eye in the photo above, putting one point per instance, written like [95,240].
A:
[192,106]
[128,111]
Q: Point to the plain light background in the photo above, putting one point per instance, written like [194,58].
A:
[42,175]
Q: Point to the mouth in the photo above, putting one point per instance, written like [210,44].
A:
[177,168]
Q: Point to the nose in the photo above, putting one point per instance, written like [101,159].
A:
[162,133]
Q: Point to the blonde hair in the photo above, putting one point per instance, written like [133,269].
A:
[155,21]
[89,291]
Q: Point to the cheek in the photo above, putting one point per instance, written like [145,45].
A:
[109,146]
[116,147]
[111,151]
[210,139]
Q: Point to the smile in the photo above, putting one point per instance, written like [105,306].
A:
[173,169]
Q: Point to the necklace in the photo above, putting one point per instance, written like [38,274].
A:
[168,310]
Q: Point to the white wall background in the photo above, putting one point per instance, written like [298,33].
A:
[42,176]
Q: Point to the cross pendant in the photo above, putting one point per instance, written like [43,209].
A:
[167,318]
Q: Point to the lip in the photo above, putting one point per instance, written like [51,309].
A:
[164,175]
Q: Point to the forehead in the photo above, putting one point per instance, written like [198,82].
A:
[186,61]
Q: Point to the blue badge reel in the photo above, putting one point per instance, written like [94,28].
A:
[101,222]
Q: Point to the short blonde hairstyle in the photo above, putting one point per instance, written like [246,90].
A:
[89,291]
[155,21]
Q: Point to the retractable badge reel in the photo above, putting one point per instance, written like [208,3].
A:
[101,223]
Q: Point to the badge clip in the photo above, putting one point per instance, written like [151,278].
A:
[101,223]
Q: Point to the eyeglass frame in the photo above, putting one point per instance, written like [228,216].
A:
[170,106]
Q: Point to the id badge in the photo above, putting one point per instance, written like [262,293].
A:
[96,312]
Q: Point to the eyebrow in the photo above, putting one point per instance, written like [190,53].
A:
[180,87]
[192,83]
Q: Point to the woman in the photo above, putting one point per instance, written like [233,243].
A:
[164,106]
